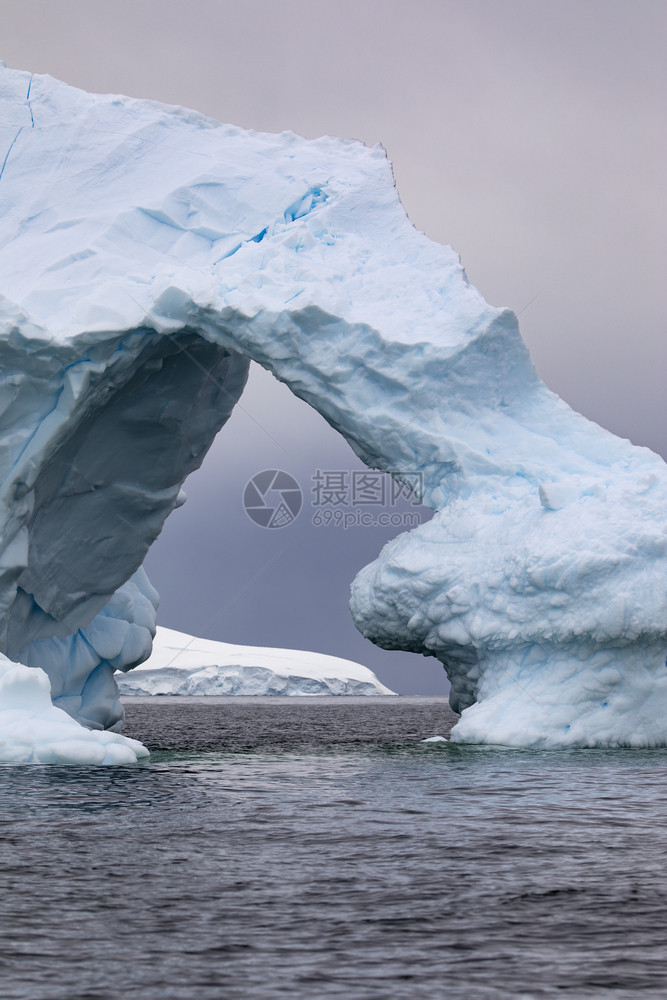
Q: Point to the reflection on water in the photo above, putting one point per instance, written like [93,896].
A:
[272,849]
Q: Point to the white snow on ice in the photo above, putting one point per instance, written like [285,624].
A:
[146,253]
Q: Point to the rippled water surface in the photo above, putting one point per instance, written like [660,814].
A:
[315,848]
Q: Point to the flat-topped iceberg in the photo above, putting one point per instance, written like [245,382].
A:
[146,254]
[182,664]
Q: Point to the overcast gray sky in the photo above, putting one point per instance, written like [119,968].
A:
[528,134]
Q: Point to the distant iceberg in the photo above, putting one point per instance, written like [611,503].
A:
[182,664]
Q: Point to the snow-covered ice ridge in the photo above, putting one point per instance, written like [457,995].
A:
[182,664]
[146,253]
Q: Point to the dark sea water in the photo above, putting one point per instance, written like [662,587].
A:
[298,848]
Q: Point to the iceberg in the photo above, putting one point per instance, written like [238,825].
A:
[182,664]
[146,254]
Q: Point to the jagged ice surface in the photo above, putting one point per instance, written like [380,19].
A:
[146,253]
[182,664]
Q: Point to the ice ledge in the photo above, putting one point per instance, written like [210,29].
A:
[34,731]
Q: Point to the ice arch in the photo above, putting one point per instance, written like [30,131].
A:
[146,253]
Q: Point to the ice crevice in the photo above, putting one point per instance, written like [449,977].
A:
[147,254]
[27,98]
[8,153]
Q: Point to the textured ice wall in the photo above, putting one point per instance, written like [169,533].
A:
[145,253]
